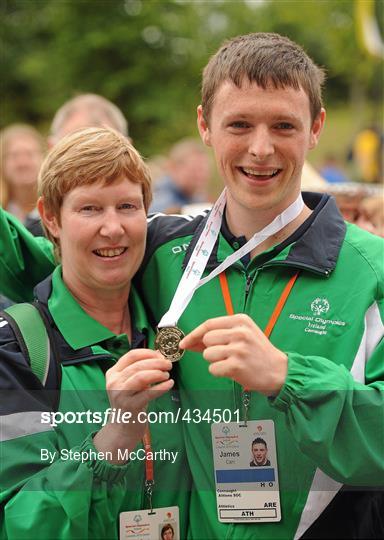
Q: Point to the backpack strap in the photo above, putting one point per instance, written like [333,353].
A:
[32,336]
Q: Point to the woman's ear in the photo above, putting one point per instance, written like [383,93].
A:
[48,218]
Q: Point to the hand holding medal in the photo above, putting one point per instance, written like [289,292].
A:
[169,335]
[237,348]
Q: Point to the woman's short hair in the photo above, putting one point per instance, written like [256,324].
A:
[88,156]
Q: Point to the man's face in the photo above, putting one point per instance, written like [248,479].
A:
[259,452]
[260,138]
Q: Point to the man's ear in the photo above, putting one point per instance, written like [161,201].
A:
[47,217]
[317,128]
[204,131]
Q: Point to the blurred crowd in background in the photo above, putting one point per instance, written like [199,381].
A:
[182,178]
[62,49]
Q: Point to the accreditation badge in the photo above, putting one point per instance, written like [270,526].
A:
[246,476]
[155,524]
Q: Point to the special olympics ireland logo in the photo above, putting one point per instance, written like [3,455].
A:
[320,306]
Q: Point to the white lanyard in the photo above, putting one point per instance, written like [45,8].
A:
[190,280]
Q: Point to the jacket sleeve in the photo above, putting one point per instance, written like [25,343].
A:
[24,259]
[337,416]
[65,499]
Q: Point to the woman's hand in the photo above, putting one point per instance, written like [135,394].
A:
[138,377]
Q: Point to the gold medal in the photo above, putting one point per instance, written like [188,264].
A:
[167,342]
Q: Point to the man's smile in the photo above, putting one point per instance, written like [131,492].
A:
[259,173]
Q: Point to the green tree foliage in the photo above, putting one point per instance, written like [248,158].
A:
[147,55]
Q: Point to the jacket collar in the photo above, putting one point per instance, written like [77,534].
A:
[77,328]
[315,244]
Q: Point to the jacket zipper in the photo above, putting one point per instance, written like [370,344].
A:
[237,390]
[248,284]
[299,266]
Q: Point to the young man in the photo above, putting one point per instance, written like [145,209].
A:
[292,330]
[297,322]
[260,453]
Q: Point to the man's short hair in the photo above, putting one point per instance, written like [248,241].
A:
[265,59]
[99,109]
[88,156]
[259,440]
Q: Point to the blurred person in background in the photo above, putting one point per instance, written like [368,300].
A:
[86,110]
[157,166]
[367,155]
[23,148]
[22,152]
[371,215]
[332,171]
[186,179]
[361,205]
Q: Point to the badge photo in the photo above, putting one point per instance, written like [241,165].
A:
[246,475]
[158,524]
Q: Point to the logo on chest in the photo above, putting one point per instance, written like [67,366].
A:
[317,321]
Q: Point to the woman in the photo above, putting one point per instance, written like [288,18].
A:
[22,151]
[72,479]
[167,532]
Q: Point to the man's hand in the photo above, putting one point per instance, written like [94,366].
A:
[138,377]
[237,348]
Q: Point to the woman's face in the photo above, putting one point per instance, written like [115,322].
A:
[22,161]
[102,235]
[167,534]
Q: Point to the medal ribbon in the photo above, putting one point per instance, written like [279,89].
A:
[190,280]
[149,470]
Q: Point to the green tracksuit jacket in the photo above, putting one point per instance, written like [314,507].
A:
[329,417]
[47,492]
